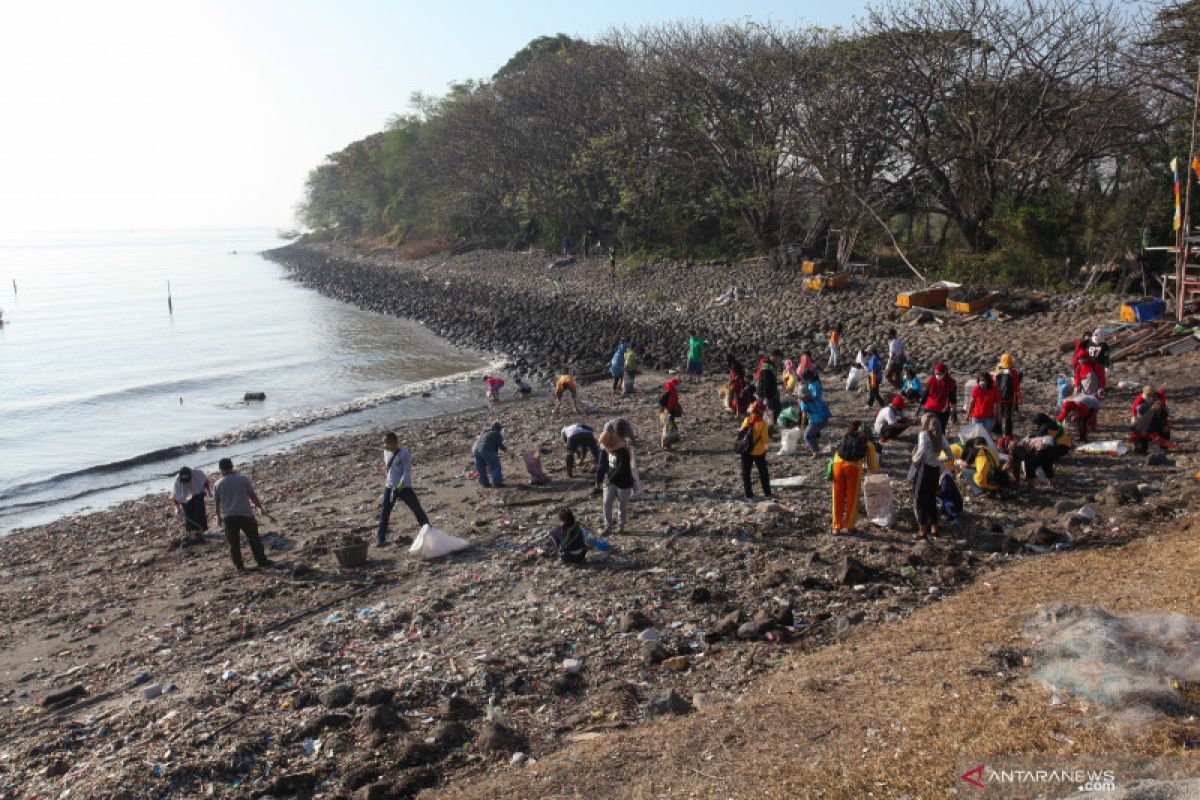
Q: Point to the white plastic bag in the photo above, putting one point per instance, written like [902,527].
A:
[855,378]
[789,441]
[877,494]
[974,430]
[1115,447]
[433,543]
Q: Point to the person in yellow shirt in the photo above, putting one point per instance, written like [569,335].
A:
[855,449]
[756,454]
[989,472]
[565,383]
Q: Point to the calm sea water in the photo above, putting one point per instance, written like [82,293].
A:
[103,389]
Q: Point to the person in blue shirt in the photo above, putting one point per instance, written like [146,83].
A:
[817,414]
[617,365]
[875,378]
[911,388]
[812,382]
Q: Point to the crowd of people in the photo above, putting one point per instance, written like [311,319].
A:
[998,447]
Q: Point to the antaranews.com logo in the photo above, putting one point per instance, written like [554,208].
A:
[1017,779]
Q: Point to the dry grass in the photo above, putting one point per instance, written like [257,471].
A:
[894,711]
[420,248]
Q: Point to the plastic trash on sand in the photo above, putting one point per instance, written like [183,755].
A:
[855,378]
[975,431]
[434,543]
[533,464]
[877,494]
[794,480]
[789,441]
[1113,447]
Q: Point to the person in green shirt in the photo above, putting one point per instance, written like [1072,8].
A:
[695,354]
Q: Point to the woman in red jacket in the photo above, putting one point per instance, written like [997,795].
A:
[984,398]
[941,395]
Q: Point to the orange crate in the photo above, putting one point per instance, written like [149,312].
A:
[811,268]
[837,281]
[924,298]
[975,306]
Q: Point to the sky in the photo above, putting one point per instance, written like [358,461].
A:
[124,114]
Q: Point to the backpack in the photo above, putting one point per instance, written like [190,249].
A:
[853,447]
[1005,385]
[745,441]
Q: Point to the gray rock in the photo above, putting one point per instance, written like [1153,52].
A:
[497,738]
[852,571]
[667,702]
[337,696]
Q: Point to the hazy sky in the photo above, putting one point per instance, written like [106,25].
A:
[207,114]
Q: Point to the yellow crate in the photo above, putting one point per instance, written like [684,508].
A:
[975,306]
[839,281]
[811,267]
[924,298]
[1128,314]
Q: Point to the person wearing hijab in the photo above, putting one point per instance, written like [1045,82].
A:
[927,466]
[756,456]
[1007,380]
[1150,420]
[848,473]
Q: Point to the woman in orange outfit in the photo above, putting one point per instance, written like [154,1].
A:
[855,448]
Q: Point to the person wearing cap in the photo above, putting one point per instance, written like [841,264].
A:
[855,451]
[949,498]
[564,384]
[891,422]
[1150,420]
[234,495]
[1084,409]
[187,495]
[486,453]
[941,396]
[760,436]
[397,465]
[816,414]
[1007,380]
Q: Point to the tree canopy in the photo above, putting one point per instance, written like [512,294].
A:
[1004,138]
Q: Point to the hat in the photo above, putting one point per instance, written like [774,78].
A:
[1006,361]
[898,402]
[185,473]
[956,450]
[939,368]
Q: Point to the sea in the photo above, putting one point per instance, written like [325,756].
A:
[125,355]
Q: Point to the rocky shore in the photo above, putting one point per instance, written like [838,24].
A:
[570,317]
[137,664]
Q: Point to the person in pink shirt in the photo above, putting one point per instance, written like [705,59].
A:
[494,385]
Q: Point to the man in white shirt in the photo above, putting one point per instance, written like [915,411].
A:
[894,371]
[187,495]
[891,422]
[397,463]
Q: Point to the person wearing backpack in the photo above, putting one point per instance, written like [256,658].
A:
[854,449]
[397,464]
[816,414]
[632,367]
[568,538]
[1008,386]
[752,441]
[926,473]
[984,399]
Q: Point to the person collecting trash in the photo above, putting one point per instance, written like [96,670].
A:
[564,384]
[187,495]
[855,450]
[494,385]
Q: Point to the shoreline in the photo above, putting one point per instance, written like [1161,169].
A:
[734,592]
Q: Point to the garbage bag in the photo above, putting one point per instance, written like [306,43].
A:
[670,432]
[789,442]
[434,543]
[974,430]
[533,463]
[855,378]
[877,494]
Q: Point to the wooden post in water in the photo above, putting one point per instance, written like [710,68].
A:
[170,305]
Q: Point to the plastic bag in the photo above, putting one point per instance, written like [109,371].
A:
[1115,447]
[975,431]
[877,494]
[855,378]
[533,463]
[670,432]
[789,442]
[434,543]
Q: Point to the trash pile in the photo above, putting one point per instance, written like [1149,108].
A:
[1138,668]
[1154,339]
